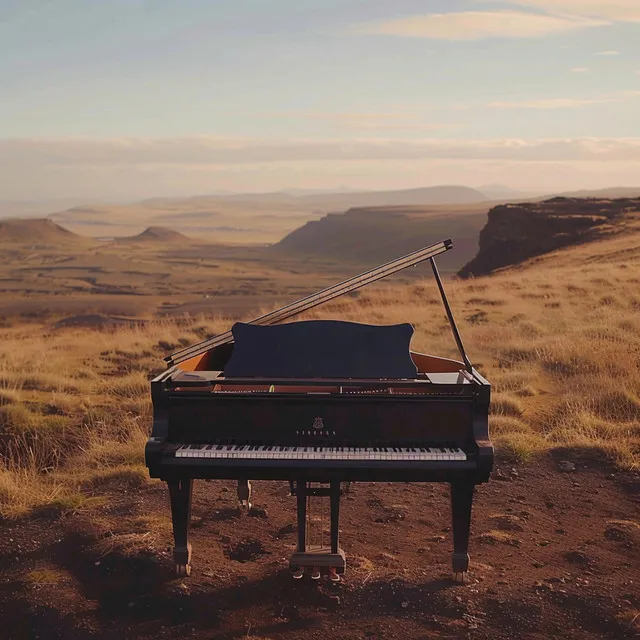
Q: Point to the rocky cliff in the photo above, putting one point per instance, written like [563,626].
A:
[373,235]
[516,232]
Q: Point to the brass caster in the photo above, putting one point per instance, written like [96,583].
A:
[460,577]
[183,570]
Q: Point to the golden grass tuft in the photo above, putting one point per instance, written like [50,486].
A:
[501,425]
[127,544]
[499,537]
[48,576]
[521,447]
[505,405]
[118,478]
[9,396]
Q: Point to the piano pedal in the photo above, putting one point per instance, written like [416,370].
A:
[460,577]
[298,573]
[333,575]
[315,573]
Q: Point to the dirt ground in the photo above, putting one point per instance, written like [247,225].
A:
[553,555]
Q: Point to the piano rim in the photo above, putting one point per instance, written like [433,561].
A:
[436,471]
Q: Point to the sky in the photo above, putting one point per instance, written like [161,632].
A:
[130,99]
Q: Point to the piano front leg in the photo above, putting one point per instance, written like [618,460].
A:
[244,495]
[180,495]
[461,502]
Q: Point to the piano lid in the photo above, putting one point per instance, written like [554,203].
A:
[313,300]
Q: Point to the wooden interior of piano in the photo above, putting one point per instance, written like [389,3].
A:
[212,361]
[204,372]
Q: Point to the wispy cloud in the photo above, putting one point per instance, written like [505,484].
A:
[549,17]
[551,103]
[611,10]
[608,52]
[565,103]
[579,69]
[207,150]
[370,121]
[472,25]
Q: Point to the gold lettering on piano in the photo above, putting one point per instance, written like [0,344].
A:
[318,423]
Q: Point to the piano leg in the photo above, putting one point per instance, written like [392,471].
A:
[244,495]
[180,495]
[300,491]
[335,513]
[301,497]
[461,501]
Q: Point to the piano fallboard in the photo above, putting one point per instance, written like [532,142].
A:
[295,419]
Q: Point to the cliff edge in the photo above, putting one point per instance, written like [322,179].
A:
[517,232]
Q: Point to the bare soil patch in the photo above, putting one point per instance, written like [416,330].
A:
[107,573]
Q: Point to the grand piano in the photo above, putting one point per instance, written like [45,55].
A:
[321,403]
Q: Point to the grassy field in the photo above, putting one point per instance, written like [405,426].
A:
[558,338]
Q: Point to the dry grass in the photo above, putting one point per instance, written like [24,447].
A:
[560,344]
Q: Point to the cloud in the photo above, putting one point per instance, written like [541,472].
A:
[565,103]
[371,121]
[473,25]
[610,10]
[608,52]
[579,69]
[213,151]
[552,103]
[133,168]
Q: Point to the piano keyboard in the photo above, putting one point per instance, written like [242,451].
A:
[319,453]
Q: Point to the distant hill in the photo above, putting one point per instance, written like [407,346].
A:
[341,200]
[446,194]
[157,234]
[37,231]
[515,233]
[611,193]
[504,192]
[373,235]
[247,218]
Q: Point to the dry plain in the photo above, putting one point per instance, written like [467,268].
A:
[86,535]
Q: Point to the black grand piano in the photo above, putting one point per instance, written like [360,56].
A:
[321,403]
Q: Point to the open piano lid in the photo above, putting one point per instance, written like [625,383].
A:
[309,302]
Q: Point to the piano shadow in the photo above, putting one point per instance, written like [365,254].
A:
[228,513]
[142,588]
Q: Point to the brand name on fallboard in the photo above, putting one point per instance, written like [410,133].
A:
[317,429]
[315,432]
